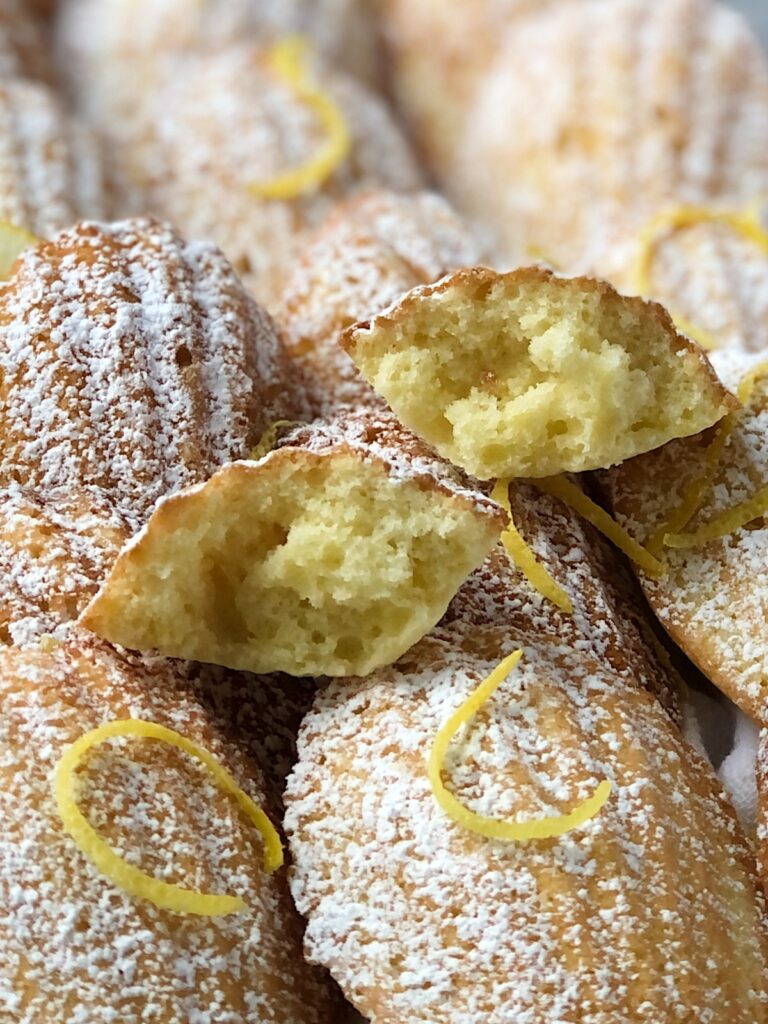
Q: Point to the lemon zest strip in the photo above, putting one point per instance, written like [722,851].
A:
[745,222]
[268,439]
[289,62]
[695,494]
[128,877]
[13,242]
[524,558]
[694,497]
[575,498]
[506,831]
[721,526]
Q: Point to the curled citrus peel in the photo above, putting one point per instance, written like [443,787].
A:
[746,223]
[268,439]
[132,879]
[575,498]
[13,242]
[524,558]
[670,533]
[288,60]
[505,831]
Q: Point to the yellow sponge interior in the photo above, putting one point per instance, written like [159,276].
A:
[533,377]
[303,563]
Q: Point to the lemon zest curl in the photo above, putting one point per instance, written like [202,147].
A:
[491,828]
[670,533]
[746,223]
[127,877]
[288,60]
[13,242]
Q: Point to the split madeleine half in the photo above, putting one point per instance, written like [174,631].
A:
[332,555]
[530,374]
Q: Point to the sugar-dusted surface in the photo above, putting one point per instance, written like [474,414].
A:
[437,58]
[75,950]
[51,168]
[714,600]
[368,253]
[223,121]
[638,916]
[133,362]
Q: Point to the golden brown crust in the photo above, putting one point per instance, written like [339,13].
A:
[24,50]
[133,364]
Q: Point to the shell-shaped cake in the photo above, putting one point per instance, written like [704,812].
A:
[639,107]
[132,362]
[51,166]
[107,46]
[24,49]
[702,502]
[225,126]
[75,945]
[636,914]
[369,251]
[639,915]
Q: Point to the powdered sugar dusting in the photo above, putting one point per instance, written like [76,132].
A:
[132,362]
[422,921]
[650,106]
[221,122]
[87,952]
[106,48]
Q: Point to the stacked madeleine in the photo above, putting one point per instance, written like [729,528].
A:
[349,555]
